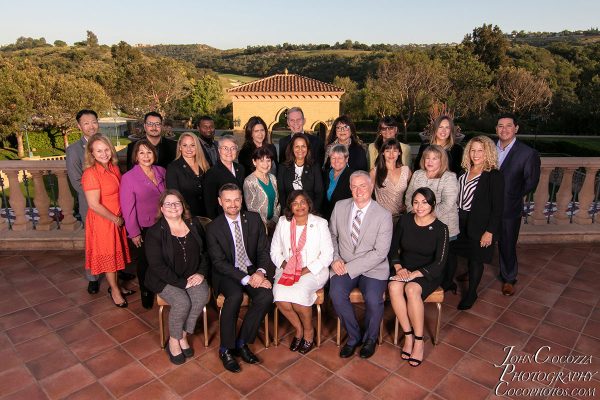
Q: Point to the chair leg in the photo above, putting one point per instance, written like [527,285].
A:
[318,325]
[381,332]
[338,337]
[205,322]
[396,323]
[276,327]
[161,326]
[267,331]
[438,323]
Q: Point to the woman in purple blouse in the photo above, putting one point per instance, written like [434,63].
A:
[140,191]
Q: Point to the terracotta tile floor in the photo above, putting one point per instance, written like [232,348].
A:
[57,341]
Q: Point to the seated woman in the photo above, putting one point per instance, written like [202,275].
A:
[417,258]
[391,178]
[343,132]
[480,205]
[336,179]
[178,265]
[302,250]
[186,173]
[260,188]
[299,173]
[443,135]
[256,135]
[388,129]
[141,188]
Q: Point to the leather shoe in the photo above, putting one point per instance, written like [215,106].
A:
[247,355]
[178,359]
[348,350]
[508,289]
[467,302]
[125,276]
[305,346]
[147,299]
[229,361]
[368,349]
[93,287]
[295,345]
[188,353]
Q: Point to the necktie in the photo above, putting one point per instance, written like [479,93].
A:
[241,257]
[356,227]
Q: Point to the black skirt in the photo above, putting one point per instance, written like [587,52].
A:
[470,248]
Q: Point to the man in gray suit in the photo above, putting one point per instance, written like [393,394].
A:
[361,231]
[87,121]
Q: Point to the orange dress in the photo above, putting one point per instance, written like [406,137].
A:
[106,247]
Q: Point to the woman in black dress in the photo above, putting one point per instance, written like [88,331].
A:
[480,204]
[256,134]
[417,258]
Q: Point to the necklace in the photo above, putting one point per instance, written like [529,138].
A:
[183,246]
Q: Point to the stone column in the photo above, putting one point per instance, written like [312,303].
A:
[586,196]
[42,202]
[17,202]
[564,196]
[65,202]
[540,197]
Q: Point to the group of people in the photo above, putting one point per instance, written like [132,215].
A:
[338,215]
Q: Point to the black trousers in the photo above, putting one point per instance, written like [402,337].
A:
[507,247]
[261,300]
[142,263]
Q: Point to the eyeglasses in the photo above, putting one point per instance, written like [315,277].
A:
[386,128]
[153,123]
[226,149]
[342,128]
[175,204]
[299,203]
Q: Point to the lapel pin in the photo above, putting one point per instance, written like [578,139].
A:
[430,228]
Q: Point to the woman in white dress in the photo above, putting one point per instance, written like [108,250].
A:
[302,251]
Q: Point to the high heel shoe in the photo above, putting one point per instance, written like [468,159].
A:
[450,287]
[295,345]
[124,292]
[467,302]
[124,304]
[305,346]
[413,362]
[403,354]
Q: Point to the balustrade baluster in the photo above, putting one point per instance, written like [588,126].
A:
[540,197]
[17,201]
[564,197]
[586,196]
[42,202]
[5,203]
[65,202]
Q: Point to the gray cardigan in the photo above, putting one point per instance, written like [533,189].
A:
[256,199]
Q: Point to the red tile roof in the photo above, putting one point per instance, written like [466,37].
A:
[286,83]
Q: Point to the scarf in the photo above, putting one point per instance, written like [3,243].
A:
[293,268]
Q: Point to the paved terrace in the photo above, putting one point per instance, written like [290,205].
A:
[57,341]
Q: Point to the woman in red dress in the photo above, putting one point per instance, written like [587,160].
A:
[106,248]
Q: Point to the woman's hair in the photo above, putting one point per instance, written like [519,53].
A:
[291,198]
[436,125]
[89,160]
[428,194]
[490,154]
[199,159]
[381,171]
[146,143]
[252,122]
[339,148]
[441,153]
[289,151]
[387,121]
[344,119]
[261,152]
[186,215]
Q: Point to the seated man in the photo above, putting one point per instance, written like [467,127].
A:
[361,232]
[239,251]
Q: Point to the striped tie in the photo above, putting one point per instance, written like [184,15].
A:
[356,227]
[240,255]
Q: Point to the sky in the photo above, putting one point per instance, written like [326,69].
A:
[240,23]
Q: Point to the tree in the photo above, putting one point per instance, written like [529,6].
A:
[92,39]
[13,105]
[405,86]
[60,43]
[353,99]
[489,44]
[519,91]
[205,97]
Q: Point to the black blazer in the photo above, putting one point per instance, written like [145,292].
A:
[166,149]
[312,183]
[245,157]
[357,158]
[181,177]
[342,191]
[211,158]
[455,155]
[317,149]
[521,170]
[159,252]
[216,177]
[487,206]
[221,248]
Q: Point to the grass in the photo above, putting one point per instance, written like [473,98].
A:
[11,154]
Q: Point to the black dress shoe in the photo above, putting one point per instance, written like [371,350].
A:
[178,359]
[124,304]
[305,346]
[229,361]
[295,345]
[125,276]
[188,353]
[147,299]
[368,349]
[348,350]
[467,302]
[247,355]
[93,287]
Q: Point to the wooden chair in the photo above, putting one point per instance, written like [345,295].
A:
[245,302]
[436,297]
[318,302]
[161,322]
[356,297]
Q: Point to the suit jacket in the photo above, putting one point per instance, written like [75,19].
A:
[221,248]
[357,158]
[211,154]
[75,155]
[487,206]
[317,149]
[181,177]
[369,257]
[215,177]
[312,183]
[342,191]
[139,198]
[521,170]
[166,149]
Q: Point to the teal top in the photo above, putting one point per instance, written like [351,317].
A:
[270,192]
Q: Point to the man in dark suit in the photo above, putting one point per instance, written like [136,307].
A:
[206,128]
[165,148]
[295,121]
[239,251]
[520,165]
